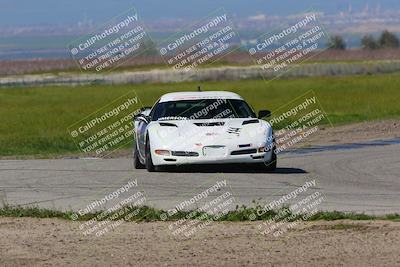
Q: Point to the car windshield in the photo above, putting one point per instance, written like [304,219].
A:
[202,109]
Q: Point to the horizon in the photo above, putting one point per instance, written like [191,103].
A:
[48,12]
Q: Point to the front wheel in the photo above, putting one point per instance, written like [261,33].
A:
[149,162]
[136,161]
[271,165]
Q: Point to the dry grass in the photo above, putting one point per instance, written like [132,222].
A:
[149,62]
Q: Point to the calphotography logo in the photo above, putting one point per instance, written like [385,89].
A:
[106,214]
[289,210]
[297,121]
[205,42]
[116,42]
[108,128]
[275,52]
[201,209]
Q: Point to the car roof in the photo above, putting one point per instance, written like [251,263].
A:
[199,95]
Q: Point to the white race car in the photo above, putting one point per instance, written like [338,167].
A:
[212,127]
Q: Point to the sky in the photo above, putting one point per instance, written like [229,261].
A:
[41,12]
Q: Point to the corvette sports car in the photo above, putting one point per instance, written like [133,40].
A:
[212,127]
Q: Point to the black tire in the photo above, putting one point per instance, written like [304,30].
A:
[149,162]
[136,161]
[271,165]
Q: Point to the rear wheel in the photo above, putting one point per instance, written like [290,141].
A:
[149,162]
[136,161]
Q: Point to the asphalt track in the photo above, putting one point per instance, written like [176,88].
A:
[354,179]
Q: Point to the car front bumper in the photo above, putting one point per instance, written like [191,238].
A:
[159,160]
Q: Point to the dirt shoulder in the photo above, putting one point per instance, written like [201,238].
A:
[355,133]
[52,242]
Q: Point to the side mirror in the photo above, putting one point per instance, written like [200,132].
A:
[146,108]
[264,113]
[142,117]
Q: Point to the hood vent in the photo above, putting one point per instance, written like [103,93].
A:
[250,122]
[210,123]
[168,124]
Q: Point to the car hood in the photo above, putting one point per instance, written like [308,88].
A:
[181,133]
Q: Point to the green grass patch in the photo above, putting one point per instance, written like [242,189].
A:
[148,214]
[34,121]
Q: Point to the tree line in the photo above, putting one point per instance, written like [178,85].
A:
[385,40]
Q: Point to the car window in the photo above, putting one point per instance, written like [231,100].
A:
[202,109]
